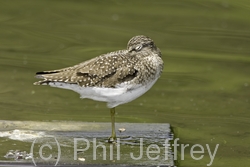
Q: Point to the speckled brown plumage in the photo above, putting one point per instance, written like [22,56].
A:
[116,78]
[141,61]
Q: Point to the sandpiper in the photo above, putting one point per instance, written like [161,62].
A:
[116,78]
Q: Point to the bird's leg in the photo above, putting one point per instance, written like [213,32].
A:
[112,138]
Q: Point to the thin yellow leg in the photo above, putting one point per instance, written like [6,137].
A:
[113,135]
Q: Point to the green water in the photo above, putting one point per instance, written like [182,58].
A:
[204,90]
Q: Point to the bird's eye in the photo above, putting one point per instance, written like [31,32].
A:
[139,47]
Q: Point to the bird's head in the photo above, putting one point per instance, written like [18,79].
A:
[140,43]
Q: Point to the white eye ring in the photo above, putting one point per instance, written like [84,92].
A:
[139,47]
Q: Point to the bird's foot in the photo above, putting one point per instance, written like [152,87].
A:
[112,139]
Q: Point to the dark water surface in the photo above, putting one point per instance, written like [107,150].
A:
[204,91]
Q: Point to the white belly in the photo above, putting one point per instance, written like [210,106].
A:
[113,96]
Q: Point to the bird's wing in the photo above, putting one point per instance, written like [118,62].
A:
[106,70]
[42,74]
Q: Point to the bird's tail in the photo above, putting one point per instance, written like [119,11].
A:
[45,75]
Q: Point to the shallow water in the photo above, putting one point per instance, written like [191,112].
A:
[203,91]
